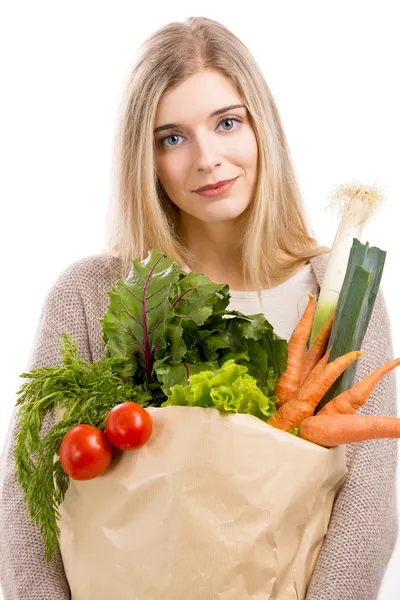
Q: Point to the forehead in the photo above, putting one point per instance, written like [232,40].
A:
[197,97]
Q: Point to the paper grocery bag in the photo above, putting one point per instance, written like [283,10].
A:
[215,505]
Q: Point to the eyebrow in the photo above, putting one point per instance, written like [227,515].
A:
[219,111]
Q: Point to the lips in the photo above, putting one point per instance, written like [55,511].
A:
[215,185]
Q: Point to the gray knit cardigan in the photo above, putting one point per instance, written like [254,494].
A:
[363,527]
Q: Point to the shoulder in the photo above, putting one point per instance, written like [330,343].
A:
[89,271]
[318,265]
[80,287]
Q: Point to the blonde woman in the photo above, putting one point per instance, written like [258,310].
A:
[197,112]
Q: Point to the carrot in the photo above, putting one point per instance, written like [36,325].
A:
[317,371]
[288,383]
[349,401]
[332,430]
[303,403]
[317,349]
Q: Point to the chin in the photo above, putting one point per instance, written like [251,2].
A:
[214,213]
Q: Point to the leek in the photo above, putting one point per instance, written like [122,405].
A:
[354,308]
[357,203]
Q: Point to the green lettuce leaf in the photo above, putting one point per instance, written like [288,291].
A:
[230,389]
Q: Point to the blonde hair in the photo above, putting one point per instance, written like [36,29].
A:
[276,239]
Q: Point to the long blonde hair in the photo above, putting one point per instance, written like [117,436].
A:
[276,239]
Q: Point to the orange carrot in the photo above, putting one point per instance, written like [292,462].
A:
[304,402]
[316,373]
[317,349]
[349,401]
[288,383]
[332,430]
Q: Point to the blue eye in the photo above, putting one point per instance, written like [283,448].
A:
[168,137]
[226,120]
[177,135]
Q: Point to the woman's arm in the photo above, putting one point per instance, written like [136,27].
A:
[363,527]
[24,572]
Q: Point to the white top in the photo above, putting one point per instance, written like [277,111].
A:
[282,305]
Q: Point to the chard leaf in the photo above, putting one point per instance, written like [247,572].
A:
[170,374]
[258,364]
[216,341]
[195,297]
[250,341]
[248,326]
[277,350]
[139,311]
[193,300]
[194,336]
[175,342]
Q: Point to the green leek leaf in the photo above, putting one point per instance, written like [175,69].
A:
[355,304]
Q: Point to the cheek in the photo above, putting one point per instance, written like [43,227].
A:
[169,171]
[243,153]
[249,150]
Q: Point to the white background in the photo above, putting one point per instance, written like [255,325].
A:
[331,67]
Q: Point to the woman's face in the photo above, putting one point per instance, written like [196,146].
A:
[204,148]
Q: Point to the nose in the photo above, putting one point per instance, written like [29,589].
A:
[207,154]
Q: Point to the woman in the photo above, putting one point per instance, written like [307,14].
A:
[197,111]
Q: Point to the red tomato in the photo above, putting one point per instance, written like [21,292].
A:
[128,426]
[85,452]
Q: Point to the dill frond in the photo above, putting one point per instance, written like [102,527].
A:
[87,391]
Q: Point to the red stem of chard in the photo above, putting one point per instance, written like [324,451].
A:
[148,359]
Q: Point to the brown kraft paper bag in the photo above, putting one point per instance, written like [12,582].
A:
[214,506]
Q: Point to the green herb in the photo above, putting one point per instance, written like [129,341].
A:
[87,391]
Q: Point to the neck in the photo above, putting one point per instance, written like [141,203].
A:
[214,247]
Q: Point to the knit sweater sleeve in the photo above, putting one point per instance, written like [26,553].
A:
[24,572]
[363,528]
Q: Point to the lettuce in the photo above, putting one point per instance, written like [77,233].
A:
[231,389]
